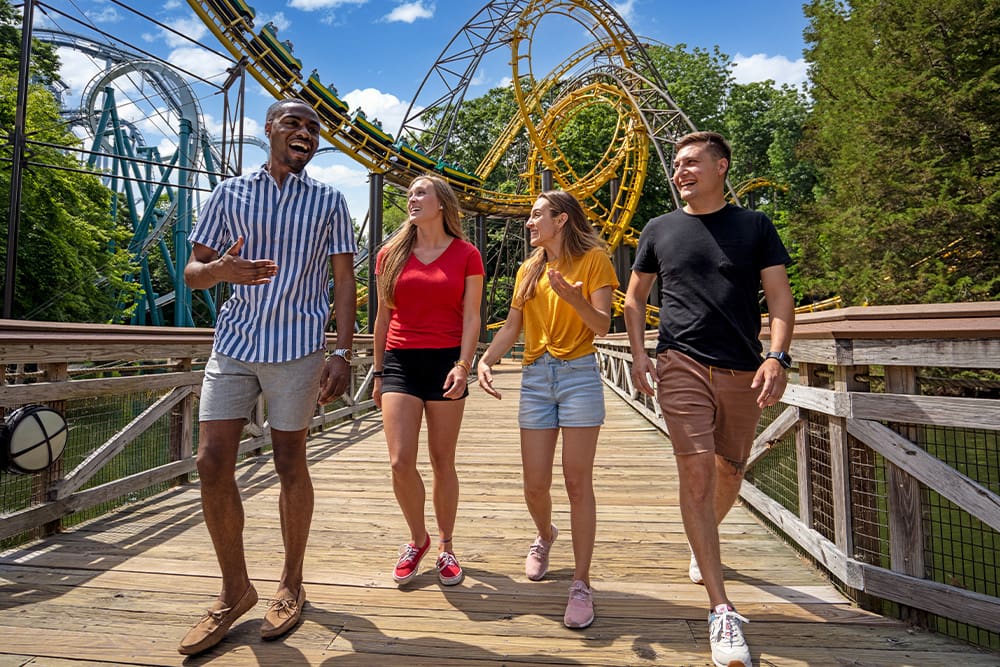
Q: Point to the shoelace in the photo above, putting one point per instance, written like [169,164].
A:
[446,559]
[216,614]
[284,606]
[724,623]
[538,549]
[579,593]
[407,552]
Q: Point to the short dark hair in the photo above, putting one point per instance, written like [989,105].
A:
[275,108]
[717,144]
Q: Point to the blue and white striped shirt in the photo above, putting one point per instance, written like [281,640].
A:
[298,226]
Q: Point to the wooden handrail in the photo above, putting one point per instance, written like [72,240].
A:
[838,353]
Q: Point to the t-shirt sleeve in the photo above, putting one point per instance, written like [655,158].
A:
[341,229]
[601,272]
[645,255]
[772,251]
[211,230]
[474,264]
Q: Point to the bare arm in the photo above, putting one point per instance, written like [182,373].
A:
[771,377]
[639,286]
[458,377]
[337,372]
[380,333]
[207,268]
[502,342]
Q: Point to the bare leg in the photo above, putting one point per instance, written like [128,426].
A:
[698,481]
[221,503]
[295,505]
[444,420]
[401,416]
[538,450]
[579,449]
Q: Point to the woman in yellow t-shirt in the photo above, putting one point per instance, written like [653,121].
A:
[562,298]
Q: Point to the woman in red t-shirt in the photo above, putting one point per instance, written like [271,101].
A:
[430,285]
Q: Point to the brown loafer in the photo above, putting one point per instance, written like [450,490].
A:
[282,615]
[216,622]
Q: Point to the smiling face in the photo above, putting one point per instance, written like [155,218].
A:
[700,177]
[422,202]
[294,135]
[546,227]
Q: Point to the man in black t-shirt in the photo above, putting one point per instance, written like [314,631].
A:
[711,258]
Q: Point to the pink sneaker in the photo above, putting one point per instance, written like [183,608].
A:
[449,571]
[409,561]
[580,608]
[537,562]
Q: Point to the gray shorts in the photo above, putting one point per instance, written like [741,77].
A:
[290,388]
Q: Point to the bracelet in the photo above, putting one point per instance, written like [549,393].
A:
[376,374]
[464,364]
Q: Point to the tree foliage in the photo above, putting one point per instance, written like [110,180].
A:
[905,134]
[71,254]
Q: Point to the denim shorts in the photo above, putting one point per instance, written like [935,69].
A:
[557,393]
[290,388]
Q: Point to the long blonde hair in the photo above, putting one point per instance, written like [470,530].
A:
[399,247]
[578,237]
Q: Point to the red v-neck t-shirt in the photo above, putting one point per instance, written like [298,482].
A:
[429,298]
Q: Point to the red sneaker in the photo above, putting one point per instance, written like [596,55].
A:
[409,561]
[449,571]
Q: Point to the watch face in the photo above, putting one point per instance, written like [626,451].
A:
[345,354]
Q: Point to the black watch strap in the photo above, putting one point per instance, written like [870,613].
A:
[783,358]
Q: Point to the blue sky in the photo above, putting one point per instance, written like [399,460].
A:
[377,51]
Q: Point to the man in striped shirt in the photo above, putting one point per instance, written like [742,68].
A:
[269,234]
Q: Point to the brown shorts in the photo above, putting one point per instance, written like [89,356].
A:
[706,408]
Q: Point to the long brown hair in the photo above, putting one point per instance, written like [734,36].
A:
[578,237]
[400,245]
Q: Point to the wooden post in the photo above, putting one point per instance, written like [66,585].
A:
[47,478]
[844,380]
[182,427]
[906,527]
[803,457]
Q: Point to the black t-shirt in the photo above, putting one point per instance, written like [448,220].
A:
[709,268]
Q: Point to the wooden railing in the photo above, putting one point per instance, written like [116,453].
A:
[66,365]
[880,463]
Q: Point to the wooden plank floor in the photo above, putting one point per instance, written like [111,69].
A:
[124,589]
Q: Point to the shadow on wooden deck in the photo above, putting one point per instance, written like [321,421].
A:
[123,589]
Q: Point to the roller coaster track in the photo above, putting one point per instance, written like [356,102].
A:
[616,73]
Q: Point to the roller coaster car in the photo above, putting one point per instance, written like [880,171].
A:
[234,11]
[455,173]
[327,94]
[281,51]
[414,155]
[367,129]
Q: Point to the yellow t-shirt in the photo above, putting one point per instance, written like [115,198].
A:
[552,325]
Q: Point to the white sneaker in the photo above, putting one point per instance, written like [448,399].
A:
[694,571]
[725,632]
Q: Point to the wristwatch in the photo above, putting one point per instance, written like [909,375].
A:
[783,358]
[343,353]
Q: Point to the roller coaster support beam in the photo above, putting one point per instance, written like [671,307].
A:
[17,159]
[481,244]
[182,228]
[377,185]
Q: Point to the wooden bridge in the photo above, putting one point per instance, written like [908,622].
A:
[123,587]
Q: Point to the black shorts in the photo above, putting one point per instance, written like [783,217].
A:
[419,372]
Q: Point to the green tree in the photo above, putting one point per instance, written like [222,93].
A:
[905,133]
[71,255]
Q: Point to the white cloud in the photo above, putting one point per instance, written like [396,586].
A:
[504,82]
[190,28]
[76,69]
[387,108]
[761,67]
[279,20]
[626,10]
[171,4]
[312,5]
[104,15]
[408,12]
[199,61]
